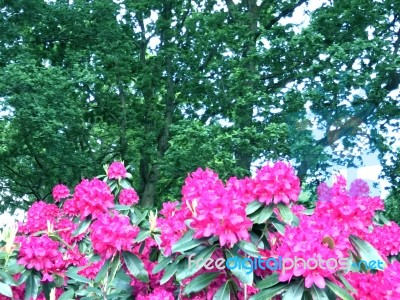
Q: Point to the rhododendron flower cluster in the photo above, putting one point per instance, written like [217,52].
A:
[39,214]
[128,197]
[172,225]
[41,253]
[60,191]
[90,270]
[153,288]
[92,197]
[385,239]
[352,213]
[215,212]
[381,285]
[116,170]
[111,234]
[84,245]
[307,242]
[276,183]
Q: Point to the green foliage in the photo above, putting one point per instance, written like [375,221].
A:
[172,86]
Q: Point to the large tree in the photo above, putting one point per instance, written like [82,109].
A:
[169,86]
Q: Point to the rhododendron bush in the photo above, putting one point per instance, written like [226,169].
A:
[96,243]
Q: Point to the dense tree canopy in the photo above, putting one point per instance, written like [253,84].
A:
[169,86]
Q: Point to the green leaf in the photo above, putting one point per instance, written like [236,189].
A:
[347,284]
[318,294]
[223,292]
[384,219]
[286,213]
[5,290]
[82,226]
[185,243]
[253,206]
[269,293]
[279,227]
[125,184]
[269,281]
[200,282]
[200,259]
[295,291]
[170,270]
[262,215]
[245,275]
[120,207]
[161,264]
[72,273]
[135,266]
[114,267]
[7,278]
[67,295]
[365,250]
[248,248]
[103,271]
[32,287]
[308,211]
[143,234]
[24,276]
[340,292]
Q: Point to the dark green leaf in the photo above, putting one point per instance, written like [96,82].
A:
[348,286]
[32,287]
[82,226]
[262,215]
[253,206]
[187,242]
[162,263]
[269,293]
[269,281]
[223,293]
[295,291]
[200,282]
[200,260]
[286,213]
[365,250]
[170,270]
[72,273]
[103,271]
[244,274]
[24,276]
[135,266]
[340,292]
[143,234]
[318,294]
[248,248]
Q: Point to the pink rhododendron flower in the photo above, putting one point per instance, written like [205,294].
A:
[38,215]
[307,242]
[116,170]
[41,253]
[381,285]
[65,227]
[173,225]
[90,271]
[385,239]
[60,191]
[141,289]
[277,183]
[128,197]
[216,210]
[92,197]
[359,188]
[112,234]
